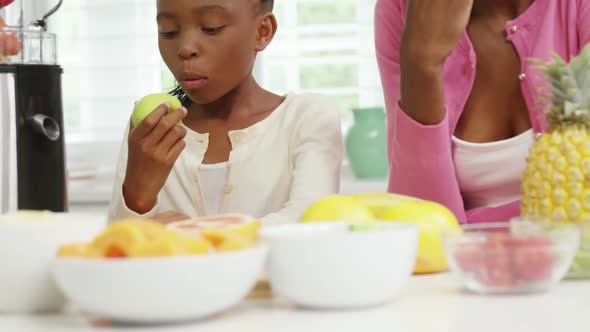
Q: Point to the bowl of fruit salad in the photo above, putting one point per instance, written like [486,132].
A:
[514,257]
[139,271]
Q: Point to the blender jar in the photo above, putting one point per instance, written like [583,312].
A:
[20,44]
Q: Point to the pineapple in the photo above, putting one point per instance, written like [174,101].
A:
[556,181]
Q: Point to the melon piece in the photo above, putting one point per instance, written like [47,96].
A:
[229,232]
[78,250]
[122,238]
[172,243]
[138,238]
[226,240]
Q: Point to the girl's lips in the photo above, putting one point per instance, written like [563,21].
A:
[193,83]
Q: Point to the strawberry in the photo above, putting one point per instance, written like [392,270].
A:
[532,259]
[497,263]
[468,256]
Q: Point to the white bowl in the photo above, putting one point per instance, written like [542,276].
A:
[323,266]
[160,290]
[28,245]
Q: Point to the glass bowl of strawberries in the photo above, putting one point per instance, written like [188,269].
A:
[520,256]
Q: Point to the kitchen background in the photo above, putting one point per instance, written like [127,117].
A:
[109,52]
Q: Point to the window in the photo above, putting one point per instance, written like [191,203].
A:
[325,46]
[109,52]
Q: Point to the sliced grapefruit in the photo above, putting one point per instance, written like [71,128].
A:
[171,243]
[244,225]
[120,239]
[225,232]
[78,250]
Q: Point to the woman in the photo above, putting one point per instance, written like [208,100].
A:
[461,94]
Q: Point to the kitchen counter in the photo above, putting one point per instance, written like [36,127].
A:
[427,304]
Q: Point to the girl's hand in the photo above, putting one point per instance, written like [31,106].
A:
[154,147]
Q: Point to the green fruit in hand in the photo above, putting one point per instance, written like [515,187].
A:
[149,103]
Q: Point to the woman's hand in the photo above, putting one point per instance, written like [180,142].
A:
[432,30]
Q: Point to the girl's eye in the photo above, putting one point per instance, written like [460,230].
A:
[168,34]
[212,30]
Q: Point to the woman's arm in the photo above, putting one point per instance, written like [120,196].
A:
[431,32]
[420,159]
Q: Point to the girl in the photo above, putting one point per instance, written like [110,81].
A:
[240,149]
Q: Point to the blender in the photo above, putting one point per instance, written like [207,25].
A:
[32,168]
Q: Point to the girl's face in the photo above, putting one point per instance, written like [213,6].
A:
[209,45]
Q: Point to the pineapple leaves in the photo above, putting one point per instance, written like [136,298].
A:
[566,96]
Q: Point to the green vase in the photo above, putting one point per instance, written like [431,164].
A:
[366,144]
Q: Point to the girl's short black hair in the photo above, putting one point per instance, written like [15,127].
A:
[267,4]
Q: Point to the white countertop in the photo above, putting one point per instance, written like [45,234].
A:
[427,304]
